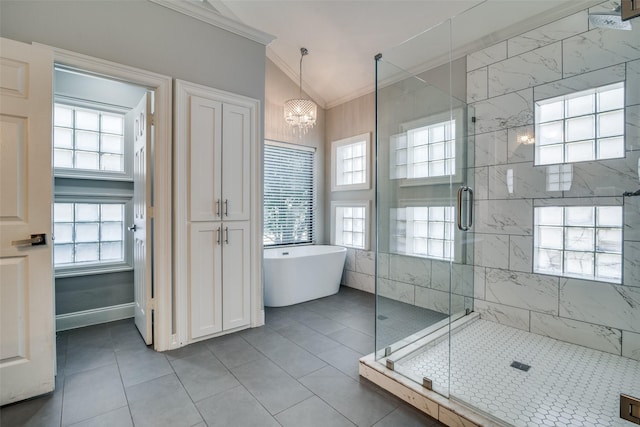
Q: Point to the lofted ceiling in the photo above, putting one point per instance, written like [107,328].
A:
[343,36]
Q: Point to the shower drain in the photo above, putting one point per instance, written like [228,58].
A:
[521,366]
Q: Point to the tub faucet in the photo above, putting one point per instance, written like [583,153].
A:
[631,194]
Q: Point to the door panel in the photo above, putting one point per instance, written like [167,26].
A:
[205,255]
[235,275]
[141,222]
[26,271]
[236,139]
[205,147]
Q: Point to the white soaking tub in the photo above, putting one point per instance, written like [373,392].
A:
[302,273]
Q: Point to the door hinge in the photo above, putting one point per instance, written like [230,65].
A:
[151,304]
[152,119]
[149,212]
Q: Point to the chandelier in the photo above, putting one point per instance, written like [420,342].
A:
[300,113]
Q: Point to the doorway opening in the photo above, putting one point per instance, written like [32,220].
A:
[103,140]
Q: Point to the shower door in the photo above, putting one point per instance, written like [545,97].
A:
[424,278]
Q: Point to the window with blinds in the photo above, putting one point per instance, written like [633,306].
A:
[288,194]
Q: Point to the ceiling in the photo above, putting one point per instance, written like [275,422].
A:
[343,36]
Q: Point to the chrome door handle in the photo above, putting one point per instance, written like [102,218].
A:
[132,228]
[469,224]
[226,207]
[217,207]
[219,233]
[226,235]
[35,240]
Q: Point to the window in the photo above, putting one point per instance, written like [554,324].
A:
[582,126]
[350,224]
[88,140]
[89,234]
[289,179]
[425,231]
[349,160]
[579,241]
[426,151]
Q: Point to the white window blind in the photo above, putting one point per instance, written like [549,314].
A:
[289,178]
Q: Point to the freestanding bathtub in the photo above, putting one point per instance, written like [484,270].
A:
[296,274]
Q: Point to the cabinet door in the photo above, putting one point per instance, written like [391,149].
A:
[205,293]
[205,159]
[236,271]
[236,154]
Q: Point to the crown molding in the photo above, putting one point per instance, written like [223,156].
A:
[293,75]
[204,14]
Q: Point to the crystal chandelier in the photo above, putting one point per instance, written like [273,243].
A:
[300,113]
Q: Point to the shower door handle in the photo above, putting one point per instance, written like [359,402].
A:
[469,216]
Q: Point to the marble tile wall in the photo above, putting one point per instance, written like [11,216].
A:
[503,82]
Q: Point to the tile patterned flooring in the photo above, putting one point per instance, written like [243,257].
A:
[567,385]
[301,369]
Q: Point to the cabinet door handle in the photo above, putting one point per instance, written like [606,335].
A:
[226,235]
[219,232]
[226,207]
[218,207]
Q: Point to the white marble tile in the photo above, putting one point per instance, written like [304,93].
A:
[631,345]
[549,33]
[529,291]
[503,314]
[600,48]
[487,56]
[440,275]
[526,70]
[632,218]
[396,291]
[491,148]
[481,183]
[632,128]
[605,177]
[477,85]
[522,181]
[478,283]
[383,265]
[504,216]
[506,111]
[365,262]
[580,82]
[520,144]
[492,250]
[362,282]
[462,279]
[350,260]
[436,300]
[631,264]
[600,303]
[521,253]
[412,270]
[586,334]
[632,84]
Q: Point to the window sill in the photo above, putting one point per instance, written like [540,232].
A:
[90,270]
[93,175]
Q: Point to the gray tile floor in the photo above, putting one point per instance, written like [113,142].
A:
[301,369]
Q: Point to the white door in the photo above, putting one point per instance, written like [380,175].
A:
[236,270]
[141,227]
[236,158]
[26,271]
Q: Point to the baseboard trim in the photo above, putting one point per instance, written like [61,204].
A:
[80,319]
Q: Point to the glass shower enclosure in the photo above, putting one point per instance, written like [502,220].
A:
[507,216]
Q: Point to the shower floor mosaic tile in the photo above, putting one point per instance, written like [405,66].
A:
[567,385]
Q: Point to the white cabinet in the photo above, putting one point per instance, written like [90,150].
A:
[217,211]
[219,157]
[219,276]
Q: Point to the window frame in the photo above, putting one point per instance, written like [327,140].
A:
[314,197]
[84,269]
[127,174]
[366,204]
[457,115]
[335,145]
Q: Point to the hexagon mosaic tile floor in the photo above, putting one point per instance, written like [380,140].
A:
[566,385]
